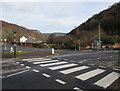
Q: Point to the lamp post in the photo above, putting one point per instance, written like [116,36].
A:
[5,43]
[14,31]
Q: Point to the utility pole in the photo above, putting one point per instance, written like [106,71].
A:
[99,37]
[14,43]
[79,44]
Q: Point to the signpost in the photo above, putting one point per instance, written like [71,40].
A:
[14,43]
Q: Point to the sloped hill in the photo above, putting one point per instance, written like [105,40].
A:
[109,22]
[7,32]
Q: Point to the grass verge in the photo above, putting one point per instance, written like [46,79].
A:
[17,52]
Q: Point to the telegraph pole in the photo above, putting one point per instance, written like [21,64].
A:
[79,44]
[99,36]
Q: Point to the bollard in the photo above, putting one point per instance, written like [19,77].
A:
[53,51]
[11,49]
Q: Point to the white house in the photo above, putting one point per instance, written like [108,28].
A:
[23,39]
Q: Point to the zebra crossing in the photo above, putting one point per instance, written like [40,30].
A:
[66,68]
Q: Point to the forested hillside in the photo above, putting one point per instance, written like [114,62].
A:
[84,34]
[109,23]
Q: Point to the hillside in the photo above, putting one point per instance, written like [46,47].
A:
[109,22]
[56,34]
[7,32]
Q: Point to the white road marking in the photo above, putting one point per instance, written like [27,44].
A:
[62,66]
[46,75]
[90,74]
[77,89]
[39,60]
[60,81]
[74,69]
[116,69]
[35,70]
[17,73]
[17,62]
[22,64]
[102,66]
[99,58]
[58,58]
[107,80]
[83,60]
[27,67]
[45,62]
[32,59]
[91,64]
[50,64]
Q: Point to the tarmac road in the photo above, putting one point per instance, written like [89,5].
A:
[79,71]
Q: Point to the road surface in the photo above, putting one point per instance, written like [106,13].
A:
[79,71]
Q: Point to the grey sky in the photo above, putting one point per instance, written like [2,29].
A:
[51,16]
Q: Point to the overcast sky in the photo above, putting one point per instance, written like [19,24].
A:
[49,17]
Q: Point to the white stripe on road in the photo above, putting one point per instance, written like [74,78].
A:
[90,74]
[39,60]
[74,69]
[46,75]
[102,66]
[77,89]
[27,67]
[62,66]
[45,62]
[60,81]
[17,73]
[32,59]
[116,69]
[58,58]
[107,80]
[35,70]
[50,64]
[22,64]
[17,62]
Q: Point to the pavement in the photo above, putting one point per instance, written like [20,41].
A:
[80,71]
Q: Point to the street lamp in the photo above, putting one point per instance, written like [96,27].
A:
[5,43]
[14,31]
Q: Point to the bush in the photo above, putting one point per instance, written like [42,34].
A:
[38,45]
